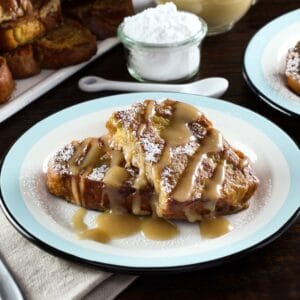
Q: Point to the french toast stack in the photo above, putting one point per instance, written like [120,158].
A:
[36,34]
[171,162]
[19,33]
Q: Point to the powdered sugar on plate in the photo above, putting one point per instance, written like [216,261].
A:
[274,61]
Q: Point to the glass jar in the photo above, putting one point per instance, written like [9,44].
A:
[220,15]
[169,62]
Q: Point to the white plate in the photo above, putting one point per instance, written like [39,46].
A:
[46,220]
[265,59]
[27,90]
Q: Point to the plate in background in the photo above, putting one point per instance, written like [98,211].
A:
[46,220]
[264,62]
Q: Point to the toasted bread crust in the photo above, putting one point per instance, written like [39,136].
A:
[102,17]
[67,45]
[7,83]
[97,195]
[22,62]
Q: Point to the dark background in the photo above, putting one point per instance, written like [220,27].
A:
[272,272]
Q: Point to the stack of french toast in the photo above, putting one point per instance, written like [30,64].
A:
[164,159]
[44,34]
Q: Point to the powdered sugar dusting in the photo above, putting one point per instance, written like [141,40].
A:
[168,181]
[98,173]
[293,63]
[65,153]
[152,144]
[187,149]
[60,159]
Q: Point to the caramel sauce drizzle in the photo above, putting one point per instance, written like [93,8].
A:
[213,188]
[115,176]
[178,132]
[78,220]
[213,228]
[243,163]
[150,110]
[113,225]
[184,188]
[87,156]
[158,229]
[118,226]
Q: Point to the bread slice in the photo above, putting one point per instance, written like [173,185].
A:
[102,17]
[69,44]
[194,170]
[89,174]
[45,17]
[292,69]
[13,9]
[22,62]
[7,84]
[48,12]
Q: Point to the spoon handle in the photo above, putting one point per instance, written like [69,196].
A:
[8,286]
[94,84]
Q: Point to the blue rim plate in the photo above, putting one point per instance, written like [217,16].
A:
[274,207]
[264,62]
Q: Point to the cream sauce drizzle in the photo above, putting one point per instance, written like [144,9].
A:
[243,163]
[75,192]
[213,228]
[120,225]
[78,220]
[150,110]
[158,229]
[213,188]
[86,157]
[184,188]
[115,176]
[178,132]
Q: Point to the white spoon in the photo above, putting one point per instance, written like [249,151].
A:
[212,87]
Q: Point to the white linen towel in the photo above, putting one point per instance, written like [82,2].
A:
[43,276]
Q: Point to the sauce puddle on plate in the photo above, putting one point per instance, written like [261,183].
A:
[112,225]
[213,228]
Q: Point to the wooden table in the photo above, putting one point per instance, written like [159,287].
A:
[272,272]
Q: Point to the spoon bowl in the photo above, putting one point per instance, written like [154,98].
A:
[211,87]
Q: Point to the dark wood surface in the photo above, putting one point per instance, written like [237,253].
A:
[272,272]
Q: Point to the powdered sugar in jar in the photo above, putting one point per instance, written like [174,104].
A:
[163,44]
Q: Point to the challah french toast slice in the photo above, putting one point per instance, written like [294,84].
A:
[102,17]
[194,170]
[69,44]
[22,62]
[7,83]
[91,175]
[13,9]
[292,69]
[45,17]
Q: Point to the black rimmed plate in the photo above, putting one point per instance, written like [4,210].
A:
[46,220]
[265,58]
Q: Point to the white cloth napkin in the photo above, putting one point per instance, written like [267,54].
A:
[43,276]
